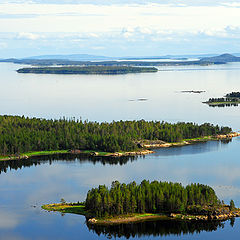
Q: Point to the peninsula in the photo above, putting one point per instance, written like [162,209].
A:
[22,137]
[125,203]
[88,70]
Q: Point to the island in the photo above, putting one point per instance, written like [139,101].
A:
[230,99]
[22,137]
[193,91]
[88,70]
[125,203]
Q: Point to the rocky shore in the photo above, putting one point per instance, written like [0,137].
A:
[9,158]
[161,144]
[209,213]
[221,214]
[133,218]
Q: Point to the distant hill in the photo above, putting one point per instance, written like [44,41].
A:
[72,57]
[224,58]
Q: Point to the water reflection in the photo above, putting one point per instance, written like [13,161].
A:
[196,148]
[155,228]
[68,158]
[225,105]
[81,158]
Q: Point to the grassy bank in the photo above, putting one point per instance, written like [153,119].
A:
[75,208]
[83,152]
[42,153]
[145,143]
[128,218]
[222,103]
[79,208]
[31,154]
[161,144]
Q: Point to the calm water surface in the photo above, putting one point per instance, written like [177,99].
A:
[25,186]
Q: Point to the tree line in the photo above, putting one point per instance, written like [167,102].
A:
[150,197]
[228,99]
[233,95]
[23,134]
[88,70]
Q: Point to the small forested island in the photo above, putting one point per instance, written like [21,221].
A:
[193,91]
[88,70]
[23,137]
[230,99]
[124,203]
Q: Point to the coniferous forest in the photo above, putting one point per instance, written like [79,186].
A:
[23,134]
[150,197]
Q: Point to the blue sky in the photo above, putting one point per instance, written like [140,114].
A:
[118,28]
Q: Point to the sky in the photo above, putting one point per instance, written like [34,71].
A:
[118,27]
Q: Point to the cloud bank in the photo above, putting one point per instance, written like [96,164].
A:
[117,27]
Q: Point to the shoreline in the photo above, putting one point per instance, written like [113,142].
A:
[220,103]
[162,144]
[90,153]
[79,208]
[146,146]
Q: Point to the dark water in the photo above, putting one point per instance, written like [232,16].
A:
[157,229]
[26,185]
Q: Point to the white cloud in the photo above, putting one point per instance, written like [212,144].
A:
[111,2]
[91,18]
[98,47]
[87,24]
[28,35]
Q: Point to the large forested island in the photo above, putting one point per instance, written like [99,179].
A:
[124,203]
[22,136]
[88,70]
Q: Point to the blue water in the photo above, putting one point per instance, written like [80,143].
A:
[23,190]
[24,187]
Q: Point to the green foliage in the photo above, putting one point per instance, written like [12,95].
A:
[88,70]
[76,208]
[21,135]
[233,95]
[150,197]
[232,205]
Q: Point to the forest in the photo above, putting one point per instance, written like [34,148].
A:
[19,134]
[148,197]
[233,95]
[88,70]
[222,100]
